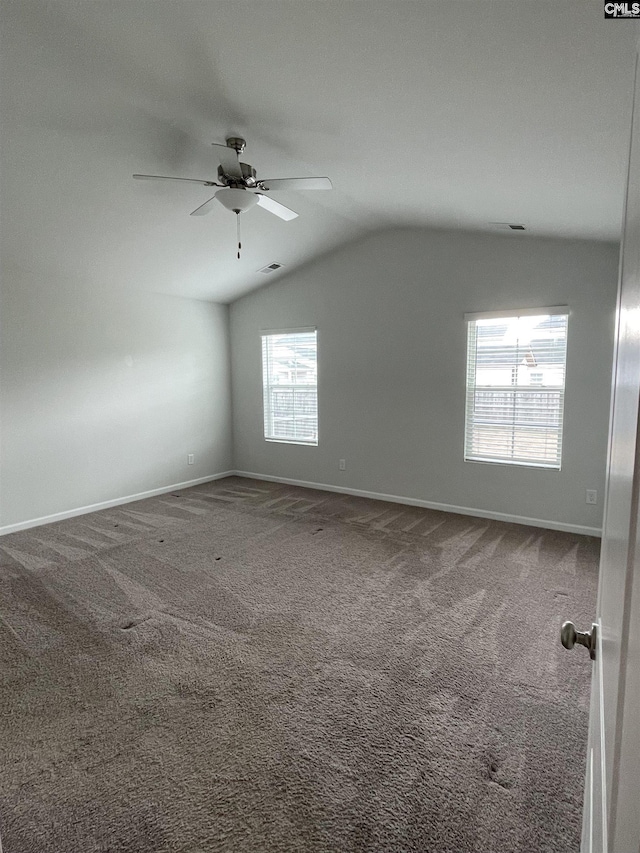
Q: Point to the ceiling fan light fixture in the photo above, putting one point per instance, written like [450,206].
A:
[237,200]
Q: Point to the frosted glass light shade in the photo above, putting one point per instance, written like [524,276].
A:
[237,199]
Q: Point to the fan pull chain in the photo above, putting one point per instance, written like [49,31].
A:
[238,229]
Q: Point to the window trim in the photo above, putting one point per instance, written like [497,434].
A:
[518,312]
[556,310]
[289,331]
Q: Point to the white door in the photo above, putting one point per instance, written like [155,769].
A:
[612,791]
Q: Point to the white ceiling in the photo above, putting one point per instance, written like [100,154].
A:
[453,114]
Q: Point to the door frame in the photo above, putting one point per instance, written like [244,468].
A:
[611,822]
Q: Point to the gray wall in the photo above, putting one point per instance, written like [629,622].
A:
[105,392]
[392,338]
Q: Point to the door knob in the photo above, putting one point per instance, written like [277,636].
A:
[569,637]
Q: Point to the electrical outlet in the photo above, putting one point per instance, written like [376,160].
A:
[592,496]
[342,464]
[190,459]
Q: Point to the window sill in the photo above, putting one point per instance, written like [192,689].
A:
[291,441]
[514,463]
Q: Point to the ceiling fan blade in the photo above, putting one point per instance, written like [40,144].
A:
[296,184]
[228,160]
[166,178]
[204,208]
[275,207]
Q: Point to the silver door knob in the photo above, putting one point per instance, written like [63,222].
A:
[569,637]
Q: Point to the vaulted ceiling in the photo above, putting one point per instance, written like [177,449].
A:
[445,114]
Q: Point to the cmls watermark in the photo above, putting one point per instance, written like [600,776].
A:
[622,10]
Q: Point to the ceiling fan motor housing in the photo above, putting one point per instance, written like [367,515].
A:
[248,177]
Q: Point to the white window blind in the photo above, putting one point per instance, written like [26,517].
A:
[516,369]
[290,386]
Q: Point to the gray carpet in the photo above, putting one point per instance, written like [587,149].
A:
[245,666]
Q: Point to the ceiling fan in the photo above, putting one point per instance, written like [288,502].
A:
[239,189]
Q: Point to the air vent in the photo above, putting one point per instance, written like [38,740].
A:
[270,268]
[507,226]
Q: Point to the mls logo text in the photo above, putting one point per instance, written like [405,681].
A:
[622,10]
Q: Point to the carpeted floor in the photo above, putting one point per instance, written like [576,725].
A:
[246,666]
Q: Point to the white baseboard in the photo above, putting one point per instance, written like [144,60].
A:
[326,487]
[83,510]
[461,510]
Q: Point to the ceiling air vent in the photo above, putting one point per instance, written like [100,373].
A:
[507,226]
[270,268]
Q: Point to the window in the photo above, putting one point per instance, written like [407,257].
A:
[290,386]
[515,387]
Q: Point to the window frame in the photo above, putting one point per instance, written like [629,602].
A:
[266,386]
[471,388]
